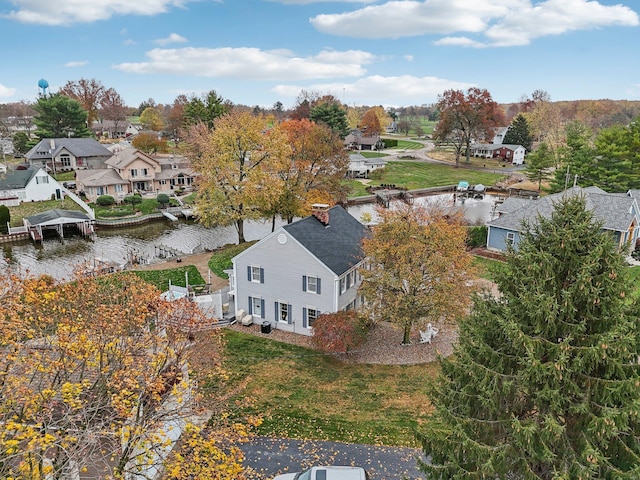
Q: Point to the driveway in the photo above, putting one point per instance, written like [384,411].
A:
[267,457]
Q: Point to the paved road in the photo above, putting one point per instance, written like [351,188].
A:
[267,457]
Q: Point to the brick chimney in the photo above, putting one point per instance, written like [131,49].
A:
[321,212]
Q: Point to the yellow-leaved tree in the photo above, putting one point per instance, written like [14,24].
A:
[94,376]
[418,270]
[238,163]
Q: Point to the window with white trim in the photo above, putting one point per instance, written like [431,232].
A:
[311,284]
[511,236]
[255,274]
[309,315]
[134,172]
[256,307]
[283,312]
[41,180]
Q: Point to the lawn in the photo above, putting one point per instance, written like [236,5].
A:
[221,260]
[306,395]
[414,175]
[175,276]
[487,267]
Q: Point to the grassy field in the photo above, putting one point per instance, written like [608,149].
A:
[221,260]
[303,394]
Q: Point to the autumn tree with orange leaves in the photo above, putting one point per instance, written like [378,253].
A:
[94,376]
[418,270]
[238,162]
[314,170]
[465,117]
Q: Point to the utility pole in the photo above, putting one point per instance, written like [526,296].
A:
[566,178]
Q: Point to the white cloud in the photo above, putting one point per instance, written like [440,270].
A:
[68,12]
[6,92]
[375,89]
[251,63]
[308,2]
[173,38]
[503,22]
[459,42]
[81,63]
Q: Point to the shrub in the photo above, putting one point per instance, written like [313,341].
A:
[105,200]
[163,199]
[390,142]
[133,200]
[5,218]
[338,332]
[477,236]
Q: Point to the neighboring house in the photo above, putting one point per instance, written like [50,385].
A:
[618,212]
[113,129]
[361,167]
[301,270]
[103,181]
[31,185]
[509,153]
[131,171]
[65,154]
[392,127]
[356,140]
[500,132]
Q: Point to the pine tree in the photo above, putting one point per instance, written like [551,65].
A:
[60,117]
[544,383]
[518,133]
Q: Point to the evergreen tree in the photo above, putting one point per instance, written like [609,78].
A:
[205,109]
[539,164]
[333,115]
[518,133]
[59,116]
[578,159]
[544,383]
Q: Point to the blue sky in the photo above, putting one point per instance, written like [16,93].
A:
[364,52]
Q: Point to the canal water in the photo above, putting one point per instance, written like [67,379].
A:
[60,258]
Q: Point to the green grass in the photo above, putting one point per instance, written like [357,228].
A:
[65,176]
[221,259]
[161,278]
[306,395]
[414,175]
[487,267]
[368,154]
[408,145]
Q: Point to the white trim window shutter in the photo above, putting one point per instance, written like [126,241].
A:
[289,314]
[318,285]
[262,308]
[304,317]
[261,275]
[304,283]
[249,272]
[250,306]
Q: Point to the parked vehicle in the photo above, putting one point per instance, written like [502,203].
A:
[327,473]
[69,185]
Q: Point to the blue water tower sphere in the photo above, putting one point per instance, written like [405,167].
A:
[42,83]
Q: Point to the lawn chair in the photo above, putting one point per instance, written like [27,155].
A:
[428,334]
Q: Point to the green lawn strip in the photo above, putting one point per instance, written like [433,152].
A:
[409,145]
[634,274]
[161,278]
[221,259]
[412,175]
[307,395]
[373,154]
[487,267]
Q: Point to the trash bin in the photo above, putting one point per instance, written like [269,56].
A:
[265,327]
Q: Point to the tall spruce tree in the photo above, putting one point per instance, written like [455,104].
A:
[545,381]
[59,116]
[519,133]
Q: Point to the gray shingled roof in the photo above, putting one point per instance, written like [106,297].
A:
[338,245]
[79,147]
[614,210]
[17,179]
[56,214]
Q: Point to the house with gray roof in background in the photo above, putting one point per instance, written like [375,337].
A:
[66,154]
[301,271]
[618,212]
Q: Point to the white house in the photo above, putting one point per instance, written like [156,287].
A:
[361,166]
[301,271]
[509,153]
[31,185]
